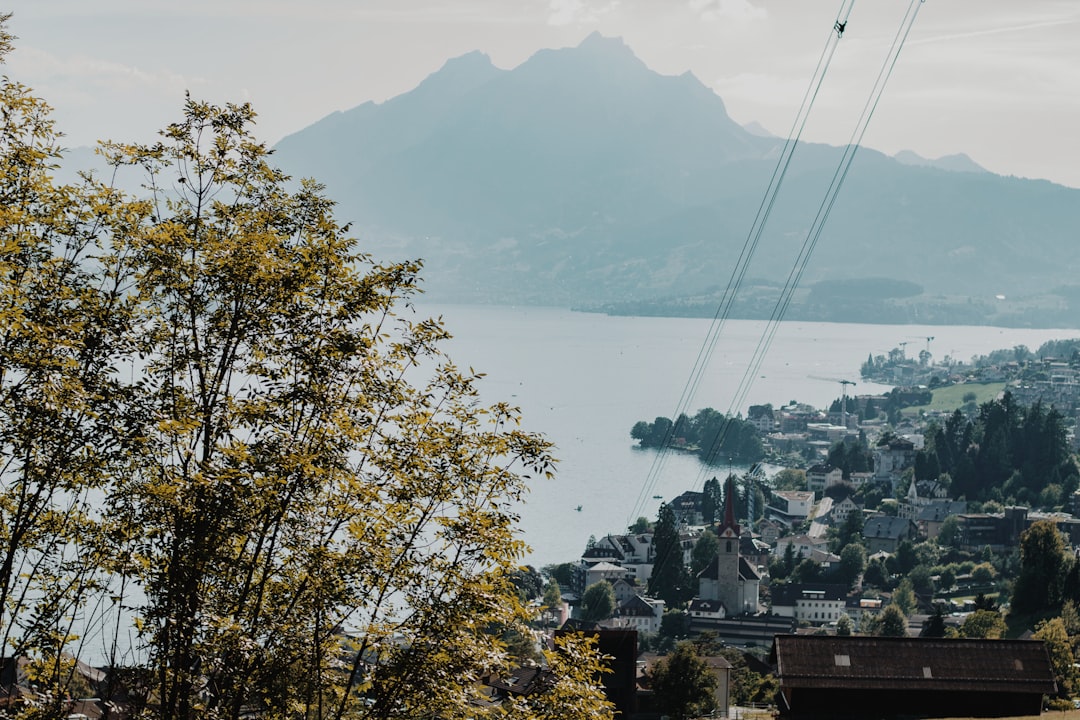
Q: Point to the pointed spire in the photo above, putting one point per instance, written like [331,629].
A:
[729,523]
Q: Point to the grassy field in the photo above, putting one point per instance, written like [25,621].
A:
[950,398]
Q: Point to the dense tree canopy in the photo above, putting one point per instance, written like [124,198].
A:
[597,602]
[715,437]
[683,684]
[1009,453]
[1045,563]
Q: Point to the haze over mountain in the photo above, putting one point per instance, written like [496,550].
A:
[583,178]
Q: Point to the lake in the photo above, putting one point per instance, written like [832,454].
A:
[584,379]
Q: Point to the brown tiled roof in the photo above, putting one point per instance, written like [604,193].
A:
[523,681]
[858,662]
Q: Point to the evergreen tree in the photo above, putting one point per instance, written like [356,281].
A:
[935,624]
[670,580]
[712,500]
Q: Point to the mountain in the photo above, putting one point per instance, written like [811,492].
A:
[583,178]
[959,162]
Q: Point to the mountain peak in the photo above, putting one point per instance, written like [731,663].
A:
[471,65]
[595,40]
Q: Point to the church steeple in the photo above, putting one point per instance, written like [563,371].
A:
[729,528]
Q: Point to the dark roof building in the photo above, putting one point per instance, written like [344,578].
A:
[849,677]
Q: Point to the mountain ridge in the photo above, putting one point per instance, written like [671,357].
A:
[582,178]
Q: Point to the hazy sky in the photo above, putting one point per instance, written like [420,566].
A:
[996,79]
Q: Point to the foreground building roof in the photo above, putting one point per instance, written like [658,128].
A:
[847,676]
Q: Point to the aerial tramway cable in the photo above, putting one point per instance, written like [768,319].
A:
[808,246]
[806,250]
[827,203]
[749,246]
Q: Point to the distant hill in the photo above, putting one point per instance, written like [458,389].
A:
[955,163]
[582,178]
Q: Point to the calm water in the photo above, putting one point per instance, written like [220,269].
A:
[583,380]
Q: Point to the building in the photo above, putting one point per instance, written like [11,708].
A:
[932,516]
[893,457]
[603,571]
[822,476]
[620,685]
[730,578]
[886,533]
[815,603]
[841,510]
[689,508]
[761,417]
[638,613]
[824,676]
[802,546]
[790,506]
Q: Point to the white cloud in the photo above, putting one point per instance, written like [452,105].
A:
[85,74]
[578,12]
[728,9]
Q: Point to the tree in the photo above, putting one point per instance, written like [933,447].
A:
[987,624]
[808,571]
[893,622]
[850,530]
[640,431]
[844,626]
[562,573]
[983,573]
[528,582]
[904,597]
[674,624]
[949,534]
[210,395]
[935,624]
[712,500]
[906,558]
[747,685]
[573,692]
[289,474]
[922,581]
[640,526]
[1045,561]
[552,595]
[705,550]
[1053,632]
[875,574]
[669,580]
[790,479]
[946,579]
[683,684]
[852,563]
[598,601]
[63,425]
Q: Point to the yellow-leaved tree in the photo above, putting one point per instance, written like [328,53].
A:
[63,429]
[228,424]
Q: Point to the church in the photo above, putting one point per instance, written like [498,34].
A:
[730,579]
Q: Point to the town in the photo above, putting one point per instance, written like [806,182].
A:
[876,518]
